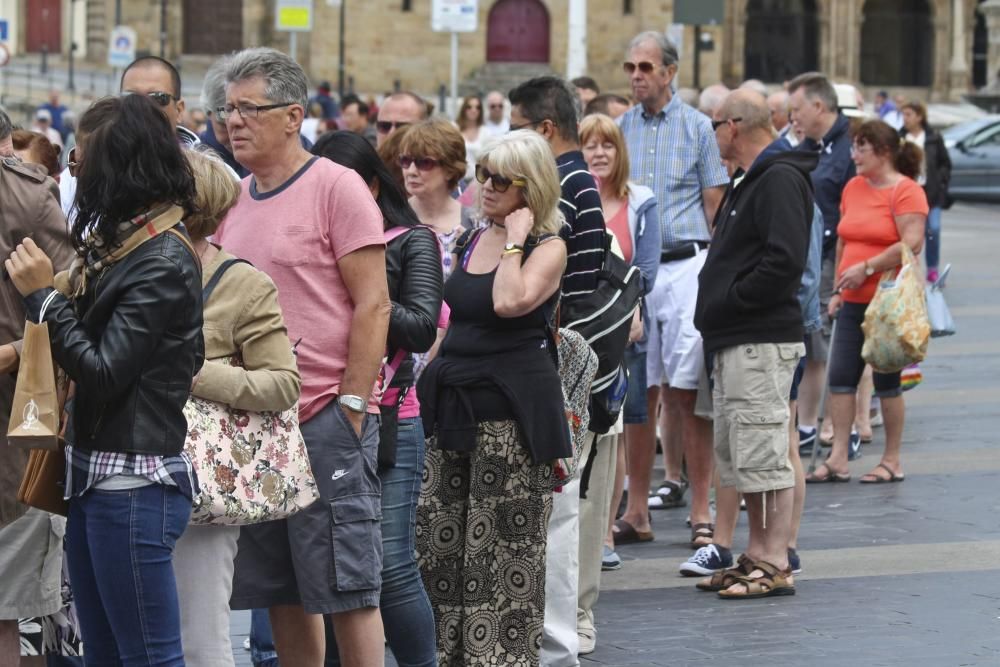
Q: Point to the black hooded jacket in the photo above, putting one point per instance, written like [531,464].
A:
[747,288]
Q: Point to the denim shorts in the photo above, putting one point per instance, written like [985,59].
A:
[634,411]
[328,556]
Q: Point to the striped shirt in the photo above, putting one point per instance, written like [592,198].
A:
[674,153]
[85,468]
[584,234]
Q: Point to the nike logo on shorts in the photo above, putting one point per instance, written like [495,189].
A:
[338,474]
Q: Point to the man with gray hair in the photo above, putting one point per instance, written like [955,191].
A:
[314,228]
[213,98]
[711,98]
[672,150]
[29,538]
[812,103]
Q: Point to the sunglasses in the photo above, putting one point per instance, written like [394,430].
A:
[716,124]
[423,163]
[645,67]
[496,106]
[500,183]
[161,98]
[387,126]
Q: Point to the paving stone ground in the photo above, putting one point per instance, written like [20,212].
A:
[900,574]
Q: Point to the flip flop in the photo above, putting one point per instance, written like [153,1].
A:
[875,479]
[830,476]
[625,533]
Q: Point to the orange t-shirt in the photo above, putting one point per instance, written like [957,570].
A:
[868,225]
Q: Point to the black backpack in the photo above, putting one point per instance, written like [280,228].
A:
[604,318]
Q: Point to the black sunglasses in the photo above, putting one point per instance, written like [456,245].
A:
[387,126]
[500,183]
[423,163]
[645,67]
[716,124]
[161,98]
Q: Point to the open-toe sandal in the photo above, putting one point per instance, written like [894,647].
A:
[702,534]
[723,579]
[830,476]
[668,496]
[772,583]
[874,478]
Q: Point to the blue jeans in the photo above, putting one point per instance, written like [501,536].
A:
[262,651]
[119,550]
[406,610]
[932,234]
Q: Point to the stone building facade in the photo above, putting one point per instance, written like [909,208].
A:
[920,47]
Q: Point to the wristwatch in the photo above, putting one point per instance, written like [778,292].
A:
[869,269]
[512,247]
[352,403]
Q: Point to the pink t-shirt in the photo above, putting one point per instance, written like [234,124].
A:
[296,234]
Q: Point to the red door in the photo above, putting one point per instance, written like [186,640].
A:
[518,31]
[44,26]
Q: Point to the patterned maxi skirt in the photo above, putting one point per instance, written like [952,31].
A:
[481,531]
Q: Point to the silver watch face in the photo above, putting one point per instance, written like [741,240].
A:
[355,403]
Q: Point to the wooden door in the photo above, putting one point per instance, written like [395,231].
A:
[44,26]
[518,31]
[213,27]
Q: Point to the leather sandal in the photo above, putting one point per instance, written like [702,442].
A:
[668,496]
[726,578]
[702,531]
[772,583]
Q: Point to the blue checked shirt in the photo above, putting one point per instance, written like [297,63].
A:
[674,153]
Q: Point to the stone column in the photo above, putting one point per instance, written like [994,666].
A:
[958,68]
[991,11]
[576,49]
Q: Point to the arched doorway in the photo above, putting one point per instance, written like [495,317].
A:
[897,43]
[782,39]
[518,31]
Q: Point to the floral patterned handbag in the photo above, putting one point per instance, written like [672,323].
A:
[252,466]
[896,327]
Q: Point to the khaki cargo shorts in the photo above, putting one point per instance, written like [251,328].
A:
[31,554]
[752,383]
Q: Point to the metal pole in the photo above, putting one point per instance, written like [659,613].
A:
[340,58]
[163,28]
[454,71]
[697,57]
[292,43]
[118,12]
[70,85]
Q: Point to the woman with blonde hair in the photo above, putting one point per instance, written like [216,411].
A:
[242,319]
[492,403]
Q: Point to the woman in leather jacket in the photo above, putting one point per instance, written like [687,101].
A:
[413,266]
[125,325]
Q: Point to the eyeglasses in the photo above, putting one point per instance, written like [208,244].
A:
[247,109]
[858,149]
[500,183]
[716,124]
[496,106]
[423,163]
[161,98]
[532,124]
[645,67]
[387,126]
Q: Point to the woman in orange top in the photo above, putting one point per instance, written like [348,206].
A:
[880,208]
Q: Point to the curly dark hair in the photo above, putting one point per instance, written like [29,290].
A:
[131,162]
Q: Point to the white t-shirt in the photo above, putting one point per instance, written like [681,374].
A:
[919,140]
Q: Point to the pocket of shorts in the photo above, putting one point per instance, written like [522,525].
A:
[293,246]
[761,439]
[357,541]
[791,351]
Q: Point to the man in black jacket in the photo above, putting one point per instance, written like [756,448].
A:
[751,323]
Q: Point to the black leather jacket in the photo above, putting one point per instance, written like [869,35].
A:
[132,343]
[416,286]
[938,168]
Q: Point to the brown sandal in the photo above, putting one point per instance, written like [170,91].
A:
[772,583]
[702,531]
[726,578]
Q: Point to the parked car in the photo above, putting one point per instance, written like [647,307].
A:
[974,149]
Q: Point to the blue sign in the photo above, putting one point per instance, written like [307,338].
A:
[3,30]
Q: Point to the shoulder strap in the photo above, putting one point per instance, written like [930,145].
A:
[217,276]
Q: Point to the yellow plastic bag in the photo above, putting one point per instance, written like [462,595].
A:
[896,327]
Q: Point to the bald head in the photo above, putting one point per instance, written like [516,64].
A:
[747,130]
[751,107]
[777,105]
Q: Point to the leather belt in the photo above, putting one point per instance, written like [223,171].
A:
[686,251]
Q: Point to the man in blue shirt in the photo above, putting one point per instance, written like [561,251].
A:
[673,151]
[812,103]
[56,110]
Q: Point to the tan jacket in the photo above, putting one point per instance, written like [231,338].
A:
[29,207]
[242,317]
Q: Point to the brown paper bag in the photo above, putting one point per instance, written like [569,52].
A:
[34,419]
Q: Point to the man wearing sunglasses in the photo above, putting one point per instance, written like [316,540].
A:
[673,151]
[161,81]
[496,123]
[399,110]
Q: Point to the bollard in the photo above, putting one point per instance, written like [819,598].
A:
[396,85]
[350,85]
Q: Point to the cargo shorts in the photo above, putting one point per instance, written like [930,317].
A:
[752,382]
[328,556]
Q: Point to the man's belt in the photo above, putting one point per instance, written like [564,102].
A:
[686,251]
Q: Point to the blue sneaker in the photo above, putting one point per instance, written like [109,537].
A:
[807,440]
[794,562]
[854,447]
[610,560]
[707,560]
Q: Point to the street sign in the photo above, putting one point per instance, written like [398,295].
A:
[454,16]
[294,15]
[4,55]
[121,46]
[699,12]
[4,30]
